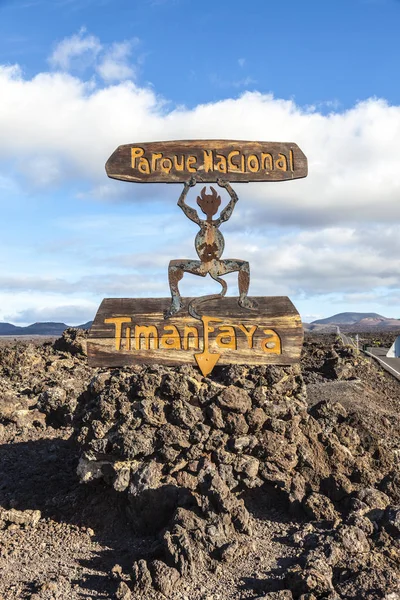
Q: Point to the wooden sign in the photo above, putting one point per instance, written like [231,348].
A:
[128,331]
[207,161]
[211,329]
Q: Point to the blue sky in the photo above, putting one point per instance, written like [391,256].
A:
[79,77]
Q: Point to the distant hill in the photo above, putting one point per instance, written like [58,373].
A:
[8,329]
[85,325]
[45,329]
[50,328]
[353,321]
[346,318]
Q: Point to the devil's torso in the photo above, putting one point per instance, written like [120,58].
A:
[209,242]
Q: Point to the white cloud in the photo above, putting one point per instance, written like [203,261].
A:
[80,47]
[24,308]
[307,262]
[43,171]
[69,314]
[82,50]
[105,283]
[115,64]
[71,125]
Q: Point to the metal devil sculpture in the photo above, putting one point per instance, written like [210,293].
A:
[209,244]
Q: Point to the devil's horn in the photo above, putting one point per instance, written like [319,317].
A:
[203,193]
[214,192]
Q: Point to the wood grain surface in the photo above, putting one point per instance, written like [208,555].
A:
[128,331]
[207,160]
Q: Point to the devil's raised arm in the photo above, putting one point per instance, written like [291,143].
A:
[191,213]
[228,210]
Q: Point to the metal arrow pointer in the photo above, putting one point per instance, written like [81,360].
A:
[207,360]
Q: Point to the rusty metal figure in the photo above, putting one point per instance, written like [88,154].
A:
[209,244]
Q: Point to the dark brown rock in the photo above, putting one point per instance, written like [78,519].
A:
[58,405]
[164,578]
[353,539]
[214,413]
[24,518]
[19,410]
[373,498]
[171,435]
[236,424]
[235,399]
[319,508]
[392,520]
[256,419]
[123,592]
[315,577]
[184,414]
[73,341]
[141,577]
[153,411]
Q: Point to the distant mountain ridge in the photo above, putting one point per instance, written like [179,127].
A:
[353,322]
[49,328]
[347,318]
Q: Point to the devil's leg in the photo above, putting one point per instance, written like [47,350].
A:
[244,283]
[232,265]
[176,269]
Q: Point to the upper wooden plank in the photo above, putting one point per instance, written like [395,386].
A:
[207,160]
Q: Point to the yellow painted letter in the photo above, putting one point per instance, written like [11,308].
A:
[166,165]
[194,334]
[135,154]
[221,164]
[179,166]
[281,163]
[154,158]
[148,332]
[253,164]
[191,161]
[127,338]
[231,165]
[118,321]
[227,337]
[144,166]
[248,333]
[172,339]
[291,159]
[272,342]
[266,156]
[208,161]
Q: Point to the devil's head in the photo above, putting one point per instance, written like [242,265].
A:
[209,203]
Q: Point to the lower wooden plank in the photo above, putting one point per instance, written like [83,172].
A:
[128,331]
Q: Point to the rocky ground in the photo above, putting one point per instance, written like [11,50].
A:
[156,482]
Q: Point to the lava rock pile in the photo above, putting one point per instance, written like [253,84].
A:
[186,449]
[183,448]
[40,384]
[187,455]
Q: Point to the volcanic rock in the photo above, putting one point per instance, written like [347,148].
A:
[19,517]
[184,450]
[73,341]
[197,478]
